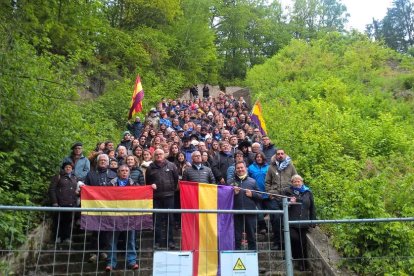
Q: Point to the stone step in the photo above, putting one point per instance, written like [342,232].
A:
[84,267]
[78,256]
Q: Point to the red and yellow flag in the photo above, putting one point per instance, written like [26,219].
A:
[137,97]
[137,197]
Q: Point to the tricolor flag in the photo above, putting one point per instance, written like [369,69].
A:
[137,97]
[206,234]
[139,197]
[257,117]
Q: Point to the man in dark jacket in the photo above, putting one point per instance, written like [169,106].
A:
[269,149]
[136,127]
[102,176]
[221,162]
[198,172]
[164,175]
[62,192]
[244,200]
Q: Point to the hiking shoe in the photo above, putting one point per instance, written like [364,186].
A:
[93,258]
[108,268]
[66,241]
[103,256]
[171,245]
[134,267]
[263,232]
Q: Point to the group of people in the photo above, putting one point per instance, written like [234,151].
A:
[210,140]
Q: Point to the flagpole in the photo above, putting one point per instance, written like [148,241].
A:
[259,192]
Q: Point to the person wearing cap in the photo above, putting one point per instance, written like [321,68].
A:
[126,140]
[136,127]
[81,164]
[152,118]
[62,192]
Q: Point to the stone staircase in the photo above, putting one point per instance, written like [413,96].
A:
[72,259]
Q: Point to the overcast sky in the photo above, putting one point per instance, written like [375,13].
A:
[361,11]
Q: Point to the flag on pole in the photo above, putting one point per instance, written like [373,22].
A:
[206,234]
[137,97]
[257,117]
[139,197]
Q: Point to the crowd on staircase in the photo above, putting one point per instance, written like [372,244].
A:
[204,139]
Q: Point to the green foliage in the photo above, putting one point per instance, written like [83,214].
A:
[356,150]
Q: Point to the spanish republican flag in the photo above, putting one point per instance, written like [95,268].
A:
[206,234]
[257,117]
[137,97]
[139,197]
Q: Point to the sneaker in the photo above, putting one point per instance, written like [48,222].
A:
[103,256]
[263,232]
[171,245]
[67,241]
[275,247]
[134,266]
[108,268]
[93,258]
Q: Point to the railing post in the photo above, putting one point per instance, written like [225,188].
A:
[286,232]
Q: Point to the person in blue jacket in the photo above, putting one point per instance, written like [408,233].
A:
[258,171]
[81,163]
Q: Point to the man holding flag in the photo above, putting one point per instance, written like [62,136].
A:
[137,97]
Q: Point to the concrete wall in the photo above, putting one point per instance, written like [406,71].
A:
[325,259]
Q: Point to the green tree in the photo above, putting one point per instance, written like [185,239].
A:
[310,17]
[396,29]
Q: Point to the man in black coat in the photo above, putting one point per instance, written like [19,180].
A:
[244,200]
[164,175]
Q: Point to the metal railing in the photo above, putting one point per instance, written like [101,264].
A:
[9,252]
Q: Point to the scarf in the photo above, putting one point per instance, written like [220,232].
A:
[300,190]
[122,182]
[284,164]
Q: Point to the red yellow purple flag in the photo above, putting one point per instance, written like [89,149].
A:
[138,197]
[137,97]
[257,117]
[206,234]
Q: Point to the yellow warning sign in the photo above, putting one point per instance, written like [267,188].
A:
[239,265]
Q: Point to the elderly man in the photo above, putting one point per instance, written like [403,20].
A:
[198,172]
[123,179]
[101,176]
[164,175]
[81,163]
[278,178]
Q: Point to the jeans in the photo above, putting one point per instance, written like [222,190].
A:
[131,254]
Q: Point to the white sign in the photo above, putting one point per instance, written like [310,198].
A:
[239,263]
[174,263]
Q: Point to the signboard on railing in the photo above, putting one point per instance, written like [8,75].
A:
[173,263]
[239,263]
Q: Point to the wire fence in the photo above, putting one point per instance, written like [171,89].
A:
[41,251]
